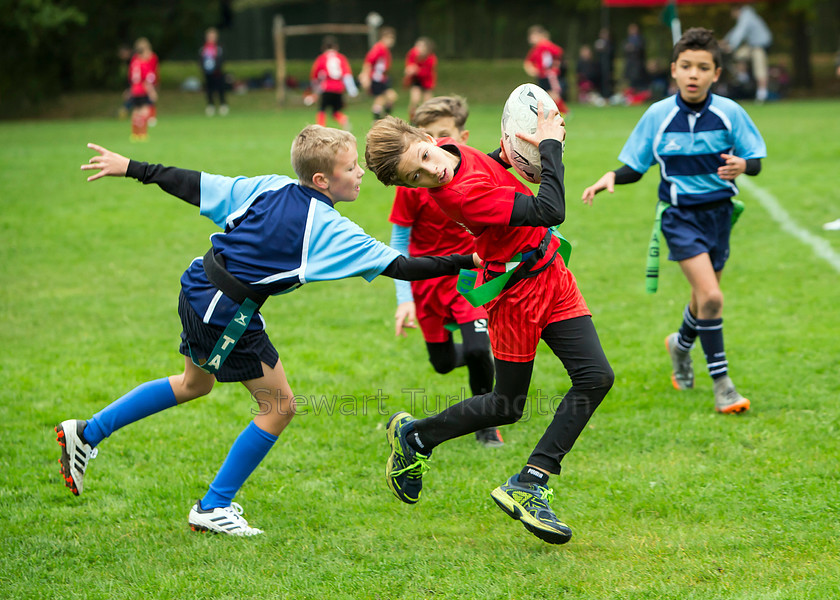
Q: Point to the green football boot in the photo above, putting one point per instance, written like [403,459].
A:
[405,467]
[528,502]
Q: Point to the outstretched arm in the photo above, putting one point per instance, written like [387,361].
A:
[609,180]
[412,268]
[183,183]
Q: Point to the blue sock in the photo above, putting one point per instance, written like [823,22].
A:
[710,332]
[142,401]
[246,453]
[688,330]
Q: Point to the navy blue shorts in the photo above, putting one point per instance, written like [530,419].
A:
[245,360]
[140,101]
[693,231]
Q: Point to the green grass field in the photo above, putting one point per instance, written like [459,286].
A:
[666,498]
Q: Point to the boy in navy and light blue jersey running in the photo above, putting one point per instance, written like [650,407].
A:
[701,143]
[279,233]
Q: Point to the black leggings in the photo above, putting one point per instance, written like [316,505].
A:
[576,344]
[214,84]
[474,352]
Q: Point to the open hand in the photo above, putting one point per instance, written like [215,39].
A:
[550,126]
[107,162]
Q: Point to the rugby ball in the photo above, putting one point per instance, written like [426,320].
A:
[520,116]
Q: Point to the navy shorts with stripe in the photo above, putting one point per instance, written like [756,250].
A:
[245,360]
[693,231]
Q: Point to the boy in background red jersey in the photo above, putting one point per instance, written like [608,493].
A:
[543,62]
[539,300]
[420,73]
[422,229]
[142,76]
[331,76]
[374,76]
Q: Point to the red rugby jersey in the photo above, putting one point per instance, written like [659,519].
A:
[545,56]
[480,198]
[142,71]
[432,232]
[426,67]
[379,59]
[329,70]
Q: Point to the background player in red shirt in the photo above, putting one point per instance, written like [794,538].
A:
[374,76]
[420,73]
[142,76]
[331,76]
[422,229]
[541,300]
[543,62]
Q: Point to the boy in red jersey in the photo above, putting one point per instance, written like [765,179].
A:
[331,76]
[543,62]
[374,76]
[420,73]
[422,229]
[540,300]
[142,75]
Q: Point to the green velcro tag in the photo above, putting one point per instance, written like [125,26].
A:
[452,327]
[227,341]
[737,209]
[481,295]
[652,266]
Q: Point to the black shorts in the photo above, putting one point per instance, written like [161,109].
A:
[377,88]
[140,101]
[332,100]
[245,360]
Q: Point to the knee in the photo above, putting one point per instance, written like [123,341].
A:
[474,356]
[507,412]
[188,388]
[441,364]
[711,303]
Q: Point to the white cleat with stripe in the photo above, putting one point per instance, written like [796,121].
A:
[227,520]
[75,453]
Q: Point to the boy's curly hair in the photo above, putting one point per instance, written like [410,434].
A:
[698,38]
[385,145]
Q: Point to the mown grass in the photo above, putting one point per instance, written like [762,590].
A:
[667,499]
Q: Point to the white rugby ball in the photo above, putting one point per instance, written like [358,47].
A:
[520,116]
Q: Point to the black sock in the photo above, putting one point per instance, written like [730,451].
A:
[413,439]
[532,475]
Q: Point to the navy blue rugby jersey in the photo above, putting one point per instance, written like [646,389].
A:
[278,235]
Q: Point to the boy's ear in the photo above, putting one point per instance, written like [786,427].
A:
[465,135]
[430,138]
[320,181]
[718,72]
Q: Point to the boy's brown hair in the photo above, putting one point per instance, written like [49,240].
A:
[385,145]
[537,29]
[441,107]
[386,31]
[698,38]
[314,151]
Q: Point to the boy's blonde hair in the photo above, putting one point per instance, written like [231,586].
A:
[386,143]
[441,107]
[314,151]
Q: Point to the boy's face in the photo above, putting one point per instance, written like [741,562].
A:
[445,127]
[345,181]
[424,165]
[695,72]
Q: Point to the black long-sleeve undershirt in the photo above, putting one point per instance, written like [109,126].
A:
[183,183]
[412,268]
[625,174]
[548,207]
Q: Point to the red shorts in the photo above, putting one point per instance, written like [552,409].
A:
[519,315]
[438,303]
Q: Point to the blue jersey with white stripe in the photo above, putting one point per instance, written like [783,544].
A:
[278,235]
[687,145]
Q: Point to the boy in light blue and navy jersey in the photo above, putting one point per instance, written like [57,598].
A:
[701,143]
[279,233]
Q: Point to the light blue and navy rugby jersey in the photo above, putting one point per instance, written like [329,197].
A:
[687,146]
[277,236]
